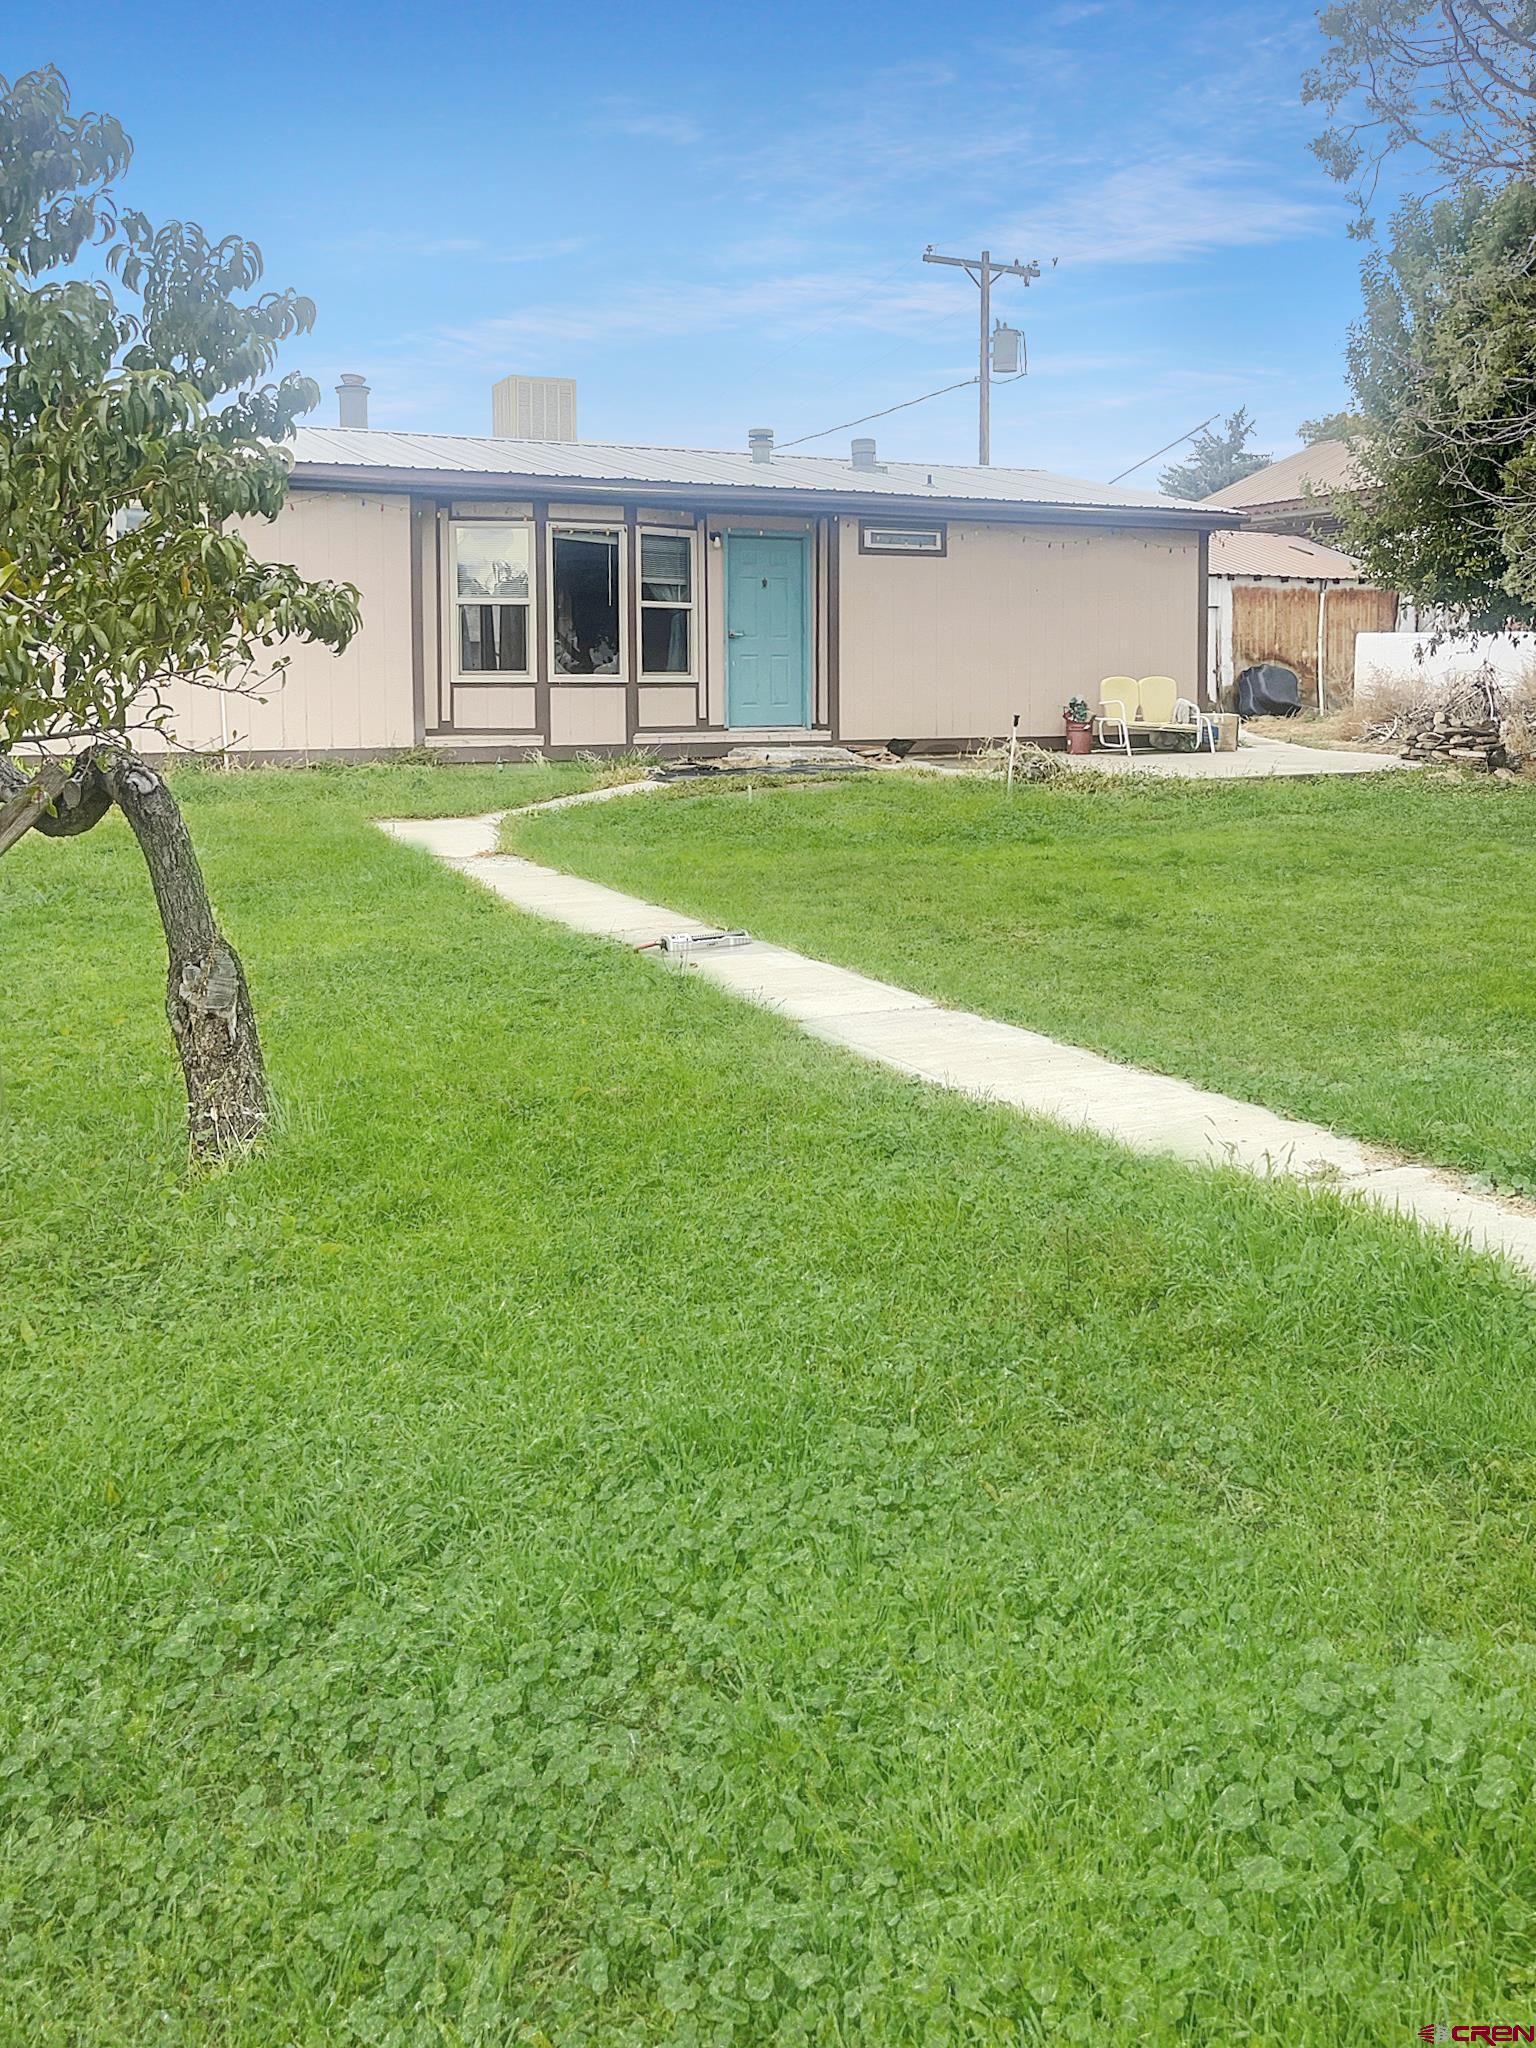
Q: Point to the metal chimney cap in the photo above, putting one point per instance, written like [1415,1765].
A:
[864,452]
[352,400]
[760,442]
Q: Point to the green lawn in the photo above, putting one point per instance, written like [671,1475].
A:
[1354,951]
[623,1525]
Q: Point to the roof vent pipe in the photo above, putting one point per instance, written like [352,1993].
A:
[352,401]
[864,453]
[760,441]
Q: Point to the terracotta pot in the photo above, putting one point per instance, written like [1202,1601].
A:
[1079,736]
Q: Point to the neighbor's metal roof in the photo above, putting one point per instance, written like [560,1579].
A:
[1321,467]
[1253,553]
[616,464]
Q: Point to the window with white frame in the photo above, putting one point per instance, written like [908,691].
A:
[586,600]
[492,580]
[882,538]
[666,604]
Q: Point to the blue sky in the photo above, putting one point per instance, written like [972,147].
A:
[713,216]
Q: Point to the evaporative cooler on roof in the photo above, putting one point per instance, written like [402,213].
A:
[534,409]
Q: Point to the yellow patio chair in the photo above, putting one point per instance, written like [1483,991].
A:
[1116,713]
[1157,698]
[1161,708]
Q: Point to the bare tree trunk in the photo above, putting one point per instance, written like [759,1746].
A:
[205,994]
[206,997]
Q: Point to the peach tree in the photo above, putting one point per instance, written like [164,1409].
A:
[139,438]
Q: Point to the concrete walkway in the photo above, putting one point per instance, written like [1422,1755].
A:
[991,1061]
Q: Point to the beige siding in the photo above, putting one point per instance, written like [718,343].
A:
[1012,618]
[662,708]
[494,707]
[586,715]
[324,702]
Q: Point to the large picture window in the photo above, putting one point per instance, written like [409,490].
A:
[492,564]
[587,600]
[666,604]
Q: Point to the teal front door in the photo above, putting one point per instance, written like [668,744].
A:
[767,622]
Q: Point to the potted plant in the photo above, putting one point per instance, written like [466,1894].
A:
[1074,716]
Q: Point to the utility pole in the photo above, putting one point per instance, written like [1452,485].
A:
[981,270]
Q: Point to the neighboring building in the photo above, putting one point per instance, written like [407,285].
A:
[1279,591]
[573,595]
[1295,494]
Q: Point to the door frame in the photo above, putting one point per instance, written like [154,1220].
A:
[807,669]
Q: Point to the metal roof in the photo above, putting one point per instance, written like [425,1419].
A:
[1253,553]
[616,465]
[1321,467]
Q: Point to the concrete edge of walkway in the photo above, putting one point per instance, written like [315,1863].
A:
[641,786]
[992,1061]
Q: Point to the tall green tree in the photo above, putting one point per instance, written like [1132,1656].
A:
[1449,84]
[1444,93]
[1443,366]
[136,429]
[1328,426]
[1214,460]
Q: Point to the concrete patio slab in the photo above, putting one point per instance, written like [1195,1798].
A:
[995,1062]
[1254,761]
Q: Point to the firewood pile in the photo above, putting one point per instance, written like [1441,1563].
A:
[1462,725]
[1460,740]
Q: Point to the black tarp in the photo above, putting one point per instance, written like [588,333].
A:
[1268,691]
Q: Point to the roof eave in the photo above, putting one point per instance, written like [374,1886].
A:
[604,490]
[1283,576]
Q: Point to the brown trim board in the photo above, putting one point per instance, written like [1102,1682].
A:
[1203,627]
[422,509]
[834,532]
[543,618]
[632,624]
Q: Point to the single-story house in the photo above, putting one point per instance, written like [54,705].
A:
[1280,591]
[1298,494]
[575,595]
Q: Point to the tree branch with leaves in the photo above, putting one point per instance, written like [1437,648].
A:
[136,436]
[1443,365]
[1451,83]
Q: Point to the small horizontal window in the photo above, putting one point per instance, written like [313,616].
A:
[901,540]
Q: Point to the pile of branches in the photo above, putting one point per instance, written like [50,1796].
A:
[1461,724]
[1459,742]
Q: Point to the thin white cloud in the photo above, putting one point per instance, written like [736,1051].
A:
[377,244]
[646,125]
[1164,208]
[770,303]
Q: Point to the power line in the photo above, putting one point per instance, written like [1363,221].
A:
[1164,449]
[801,439]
